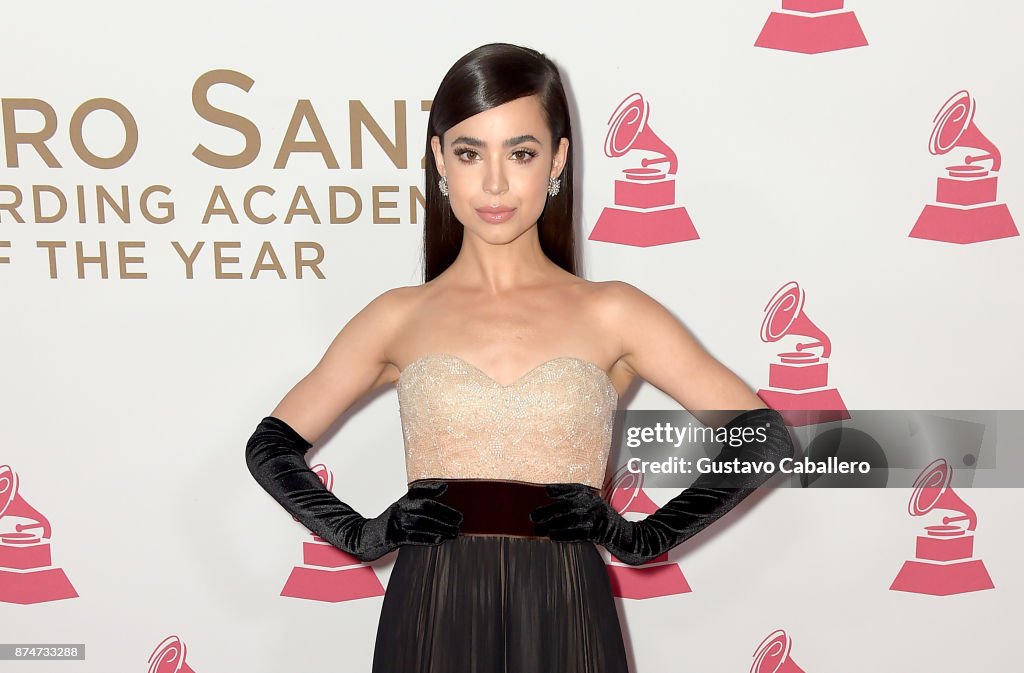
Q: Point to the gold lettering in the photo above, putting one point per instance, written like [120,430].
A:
[37,139]
[124,260]
[189,259]
[218,194]
[247,204]
[81,259]
[102,195]
[219,259]
[131,133]
[376,191]
[167,206]
[425,107]
[203,107]
[357,204]
[293,209]
[320,144]
[312,263]
[360,117]
[51,250]
[38,206]
[12,207]
[265,250]
[80,192]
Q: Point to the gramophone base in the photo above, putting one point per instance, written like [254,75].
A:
[810,34]
[806,408]
[959,225]
[942,579]
[332,585]
[644,228]
[647,581]
[35,586]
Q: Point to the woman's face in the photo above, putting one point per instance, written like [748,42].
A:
[498,163]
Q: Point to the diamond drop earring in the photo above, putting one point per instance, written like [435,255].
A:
[554,184]
[442,184]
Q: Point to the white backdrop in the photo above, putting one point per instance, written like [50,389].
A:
[127,401]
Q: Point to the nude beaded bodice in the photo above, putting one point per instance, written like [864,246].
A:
[553,424]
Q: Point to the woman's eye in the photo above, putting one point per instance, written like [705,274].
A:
[523,155]
[467,155]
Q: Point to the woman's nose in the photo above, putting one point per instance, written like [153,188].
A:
[495,181]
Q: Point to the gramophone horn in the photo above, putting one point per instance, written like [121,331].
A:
[772,655]
[628,130]
[623,488]
[784,315]
[932,490]
[12,504]
[954,127]
[326,476]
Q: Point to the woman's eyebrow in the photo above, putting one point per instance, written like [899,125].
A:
[476,142]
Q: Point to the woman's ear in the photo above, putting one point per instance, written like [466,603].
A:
[435,145]
[561,155]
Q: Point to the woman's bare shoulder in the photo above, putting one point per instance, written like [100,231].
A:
[395,301]
[394,309]
[383,316]
[614,299]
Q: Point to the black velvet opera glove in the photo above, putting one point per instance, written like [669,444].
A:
[582,514]
[274,455]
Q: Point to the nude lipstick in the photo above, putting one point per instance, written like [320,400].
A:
[495,214]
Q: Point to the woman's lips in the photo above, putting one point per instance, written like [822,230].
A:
[495,215]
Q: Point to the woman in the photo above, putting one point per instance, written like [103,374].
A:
[509,368]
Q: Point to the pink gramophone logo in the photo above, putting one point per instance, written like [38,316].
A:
[327,573]
[811,27]
[657,577]
[942,565]
[772,655]
[169,657]
[645,211]
[26,571]
[966,210]
[798,382]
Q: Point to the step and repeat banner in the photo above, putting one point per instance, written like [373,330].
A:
[195,199]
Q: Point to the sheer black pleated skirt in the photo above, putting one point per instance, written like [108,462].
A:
[499,604]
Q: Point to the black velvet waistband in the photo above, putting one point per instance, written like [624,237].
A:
[492,507]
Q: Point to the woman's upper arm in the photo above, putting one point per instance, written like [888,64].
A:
[352,366]
[662,351]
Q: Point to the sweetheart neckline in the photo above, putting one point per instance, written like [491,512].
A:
[505,386]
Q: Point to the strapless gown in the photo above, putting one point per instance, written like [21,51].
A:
[502,603]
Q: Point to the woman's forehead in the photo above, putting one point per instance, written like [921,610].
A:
[521,118]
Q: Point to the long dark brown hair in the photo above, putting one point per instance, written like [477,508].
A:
[489,76]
